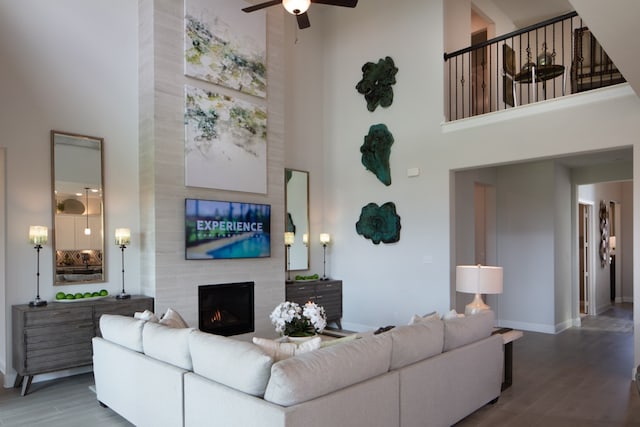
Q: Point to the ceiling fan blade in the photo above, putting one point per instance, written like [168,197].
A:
[262,5]
[303,21]
[343,3]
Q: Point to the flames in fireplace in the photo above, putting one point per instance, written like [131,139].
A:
[223,317]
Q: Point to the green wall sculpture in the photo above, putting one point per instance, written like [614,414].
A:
[376,83]
[376,151]
[379,223]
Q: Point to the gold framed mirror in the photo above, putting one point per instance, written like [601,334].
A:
[78,208]
[297,217]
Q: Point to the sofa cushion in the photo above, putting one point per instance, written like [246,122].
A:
[123,330]
[236,364]
[279,350]
[341,340]
[167,344]
[464,330]
[416,342]
[318,373]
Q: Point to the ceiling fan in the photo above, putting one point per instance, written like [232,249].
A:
[299,8]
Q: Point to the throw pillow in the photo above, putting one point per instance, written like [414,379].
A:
[451,314]
[283,350]
[417,319]
[173,320]
[147,316]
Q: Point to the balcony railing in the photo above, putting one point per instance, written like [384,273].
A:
[543,61]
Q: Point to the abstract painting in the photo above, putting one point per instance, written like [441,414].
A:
[225,142]
[226,46]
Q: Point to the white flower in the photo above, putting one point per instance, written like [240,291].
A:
[289,317]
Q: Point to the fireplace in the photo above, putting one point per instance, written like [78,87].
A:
[226,309]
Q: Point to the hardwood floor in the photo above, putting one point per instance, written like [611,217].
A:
[581,377]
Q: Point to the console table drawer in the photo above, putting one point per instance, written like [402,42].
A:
[64,358]
[50,317]
[53,336]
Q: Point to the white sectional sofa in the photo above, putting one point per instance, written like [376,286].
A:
[432,373]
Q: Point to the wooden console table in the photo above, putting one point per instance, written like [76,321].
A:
[326,293]
[58,335]
[508,337]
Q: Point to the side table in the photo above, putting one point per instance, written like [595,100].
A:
[508,337]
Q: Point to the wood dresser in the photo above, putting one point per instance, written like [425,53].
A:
[326,293]
[58,335]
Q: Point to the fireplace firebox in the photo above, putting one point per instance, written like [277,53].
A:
[226,309]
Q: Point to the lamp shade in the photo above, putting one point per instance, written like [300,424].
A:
[479,279]
[289,238]
[325,238]
[305,238]
[123,236]
[38,234]
[296,7]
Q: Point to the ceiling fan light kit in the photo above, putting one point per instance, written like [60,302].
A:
[296,7]
[299,8]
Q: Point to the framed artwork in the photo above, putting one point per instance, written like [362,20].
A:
[226,46]
[225,142]
[507,90]
[508,60]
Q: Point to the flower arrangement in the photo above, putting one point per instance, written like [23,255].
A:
[292,320]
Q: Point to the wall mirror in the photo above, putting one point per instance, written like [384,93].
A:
[297,217]
[78,208]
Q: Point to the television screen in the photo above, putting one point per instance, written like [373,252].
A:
[223,230]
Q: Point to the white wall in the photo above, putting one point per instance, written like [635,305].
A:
[526,249]
[565,297]
[69,65]
[626,250]
[386,284]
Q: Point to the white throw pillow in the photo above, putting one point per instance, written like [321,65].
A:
[417,319]
[283,350]
[452,314]
[173,320]
[147,316]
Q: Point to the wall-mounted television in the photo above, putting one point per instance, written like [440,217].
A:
[225,230]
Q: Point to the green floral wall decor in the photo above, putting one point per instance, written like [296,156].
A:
[376,83]
[379,223]
[376,151]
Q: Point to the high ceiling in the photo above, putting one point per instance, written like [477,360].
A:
[526,12]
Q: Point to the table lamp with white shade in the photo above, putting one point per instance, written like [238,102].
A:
[38,236]
[289,240]
[325,239]
[478,280]
[123,238]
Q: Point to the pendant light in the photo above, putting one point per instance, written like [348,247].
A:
[87,230]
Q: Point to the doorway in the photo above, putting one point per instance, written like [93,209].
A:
[584,240]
